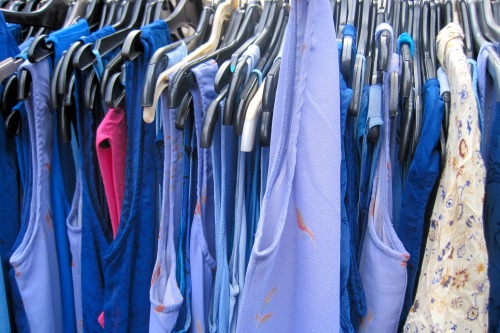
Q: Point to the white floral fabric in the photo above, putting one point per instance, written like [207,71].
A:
[452,294]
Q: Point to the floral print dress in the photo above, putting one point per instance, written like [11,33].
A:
[453,288]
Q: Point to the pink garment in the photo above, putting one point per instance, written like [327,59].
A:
[111,146]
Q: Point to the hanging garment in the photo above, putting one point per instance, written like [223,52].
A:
[242,220]
[189,169]
[130,257]
[369,152]
[11,186]
[487,101]
[45,238]
[4,310]
[75,216]
[383,258]
[165,296]
[491,155]
[202,242]
[25,160]
[224,159]
[111,146]
[96,233]
[423,173]
[294,237]
[353,302]
[75,241]
[453,287]
[345,246]
[492,218]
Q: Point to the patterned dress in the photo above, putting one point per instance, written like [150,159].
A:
[453,288]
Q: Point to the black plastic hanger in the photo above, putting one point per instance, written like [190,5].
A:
[448,11]
[51,16]
[252,85]
[211,118]
[268,100]
[429,69]
[8,101]
[9,66]
[342,18]
[187,12]
[115,96]
[371,49]
[76,11]
[469,46]
[93,14]
[131,20]
[359,64]
[406,91]
[433,32]
[417,78]
[346,61]
[186,104]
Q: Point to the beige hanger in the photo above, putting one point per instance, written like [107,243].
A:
[251,120]
[222,15]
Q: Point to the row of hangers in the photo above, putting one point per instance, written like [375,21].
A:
[223,32]
[422,20]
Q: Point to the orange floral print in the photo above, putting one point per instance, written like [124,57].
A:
[302,226]
[48,219]
[265,318]
[198,326]
[197,210]
[160,308]
[156,275]
[262,319]
[269,295]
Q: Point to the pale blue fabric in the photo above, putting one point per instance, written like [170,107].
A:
[292,280]
[35,259]
[224,148]
[4,310]
[487,105]
[164,293]
[202,245]
[383,259]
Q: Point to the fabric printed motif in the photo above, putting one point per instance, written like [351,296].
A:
[302,226]
[262,317]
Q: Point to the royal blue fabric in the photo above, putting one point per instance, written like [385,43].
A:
[18,317]
[9,45]
[63,180]
[16,31]
[492,223]
[189,171]
[423,174]
[96,227]
[130,258]
[13,194]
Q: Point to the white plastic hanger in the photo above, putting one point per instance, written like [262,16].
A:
[251,120]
